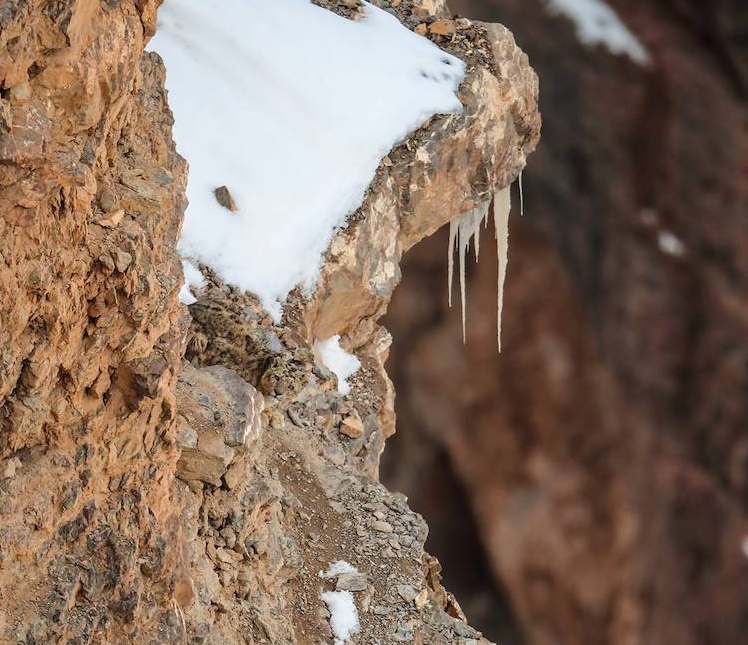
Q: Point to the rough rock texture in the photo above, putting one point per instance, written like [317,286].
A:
[90,330]
[149,499]
[605,454]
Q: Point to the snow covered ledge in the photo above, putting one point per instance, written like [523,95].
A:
[441,172]
[310,125]
[446,169]
[472,142]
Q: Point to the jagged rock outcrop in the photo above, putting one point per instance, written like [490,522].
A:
[90,331]
[144,498]
[604,454]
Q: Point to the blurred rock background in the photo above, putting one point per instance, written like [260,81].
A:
[590,485]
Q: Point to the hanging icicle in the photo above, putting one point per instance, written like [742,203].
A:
[467,228]
[502,204]
[461,231]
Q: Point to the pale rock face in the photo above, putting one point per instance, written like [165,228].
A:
[204,507]
[219,415]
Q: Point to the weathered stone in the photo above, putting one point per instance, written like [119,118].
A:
[577,358]
[443,27]
[235,475]
[112,219]
[351,582]
[218,399]
[122,260]
[224,198]
[421,599]
[382,526]
[207,461]
[352,426]
[223,413]
[82,399]
[407,592]
[9,467]
[94,337]
[186,436]
[107,200]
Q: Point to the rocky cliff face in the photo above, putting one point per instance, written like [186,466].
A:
[147,497]
[91,332]
[604,454]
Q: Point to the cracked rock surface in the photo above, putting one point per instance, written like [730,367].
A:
[183,477]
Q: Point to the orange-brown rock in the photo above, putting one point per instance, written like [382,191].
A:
[90,329]
[145,499]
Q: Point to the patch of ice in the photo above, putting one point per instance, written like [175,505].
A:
[193,279]
[597,23]
[343,614]
[291,107]
[336,568]
[338,361]
[670,244]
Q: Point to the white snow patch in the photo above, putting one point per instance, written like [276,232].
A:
[338,361]
[670,244]
[597,23]
[185,295]
[273,343]
[343,614]
[193,279]
[291,107]
[336,568]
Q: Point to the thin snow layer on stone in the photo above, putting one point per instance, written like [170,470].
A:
[343,614]
[291,107]
[193,279]
[185,295]
[336,568]
[597,23]
[338,361]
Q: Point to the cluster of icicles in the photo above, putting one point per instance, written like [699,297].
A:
[467,228]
